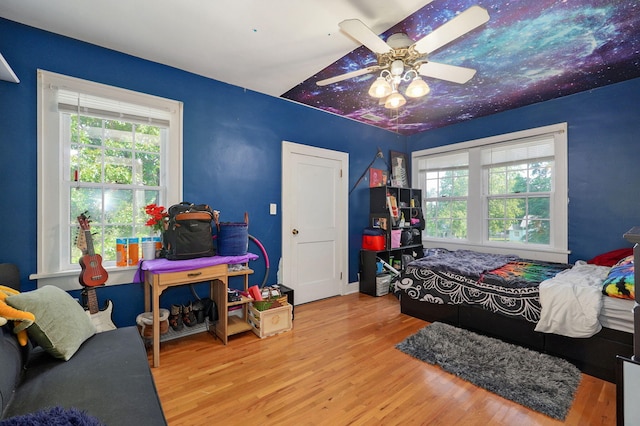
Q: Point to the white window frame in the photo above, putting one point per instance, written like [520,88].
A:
[53,177]
[459,160]
[477,239]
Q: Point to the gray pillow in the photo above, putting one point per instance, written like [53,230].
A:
[61,324]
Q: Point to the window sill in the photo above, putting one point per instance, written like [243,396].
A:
[68,280]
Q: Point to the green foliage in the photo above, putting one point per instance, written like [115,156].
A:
[518,202]
[520,194]
[446,209]
[117,164]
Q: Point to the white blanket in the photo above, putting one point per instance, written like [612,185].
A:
[571,301]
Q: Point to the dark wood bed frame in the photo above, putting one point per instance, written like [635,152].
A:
[595,355]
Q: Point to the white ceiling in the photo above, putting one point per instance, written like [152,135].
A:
[268,46]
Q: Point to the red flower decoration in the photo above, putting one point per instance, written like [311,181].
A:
[158,216]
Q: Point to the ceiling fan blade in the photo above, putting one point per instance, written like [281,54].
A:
[356,29]
[348,75]
[446,72]
[458,26]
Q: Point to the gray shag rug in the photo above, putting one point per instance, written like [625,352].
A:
[538,381]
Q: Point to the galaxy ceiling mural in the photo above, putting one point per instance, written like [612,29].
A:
[527,52]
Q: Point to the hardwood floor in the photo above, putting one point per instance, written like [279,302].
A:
[339,366]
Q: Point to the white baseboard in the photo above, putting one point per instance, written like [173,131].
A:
[352,288]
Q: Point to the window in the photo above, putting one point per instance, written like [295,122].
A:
[446,188]
[105,151]
[518,191]
[506,193]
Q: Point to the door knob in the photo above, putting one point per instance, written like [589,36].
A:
[294,232]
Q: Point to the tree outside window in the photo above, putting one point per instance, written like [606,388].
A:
[116,168]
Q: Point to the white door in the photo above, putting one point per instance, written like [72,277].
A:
[314,221]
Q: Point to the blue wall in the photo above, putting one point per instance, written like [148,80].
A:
[604,152]
[232,149]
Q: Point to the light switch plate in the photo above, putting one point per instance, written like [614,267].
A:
[273,209]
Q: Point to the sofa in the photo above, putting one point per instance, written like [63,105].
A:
[106,379]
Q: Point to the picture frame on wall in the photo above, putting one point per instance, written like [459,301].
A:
[399,169]
[377,177]
[379,222]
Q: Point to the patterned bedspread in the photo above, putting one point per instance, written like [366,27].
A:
[511,289]
[523,273]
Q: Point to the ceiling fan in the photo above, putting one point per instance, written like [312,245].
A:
[401,59]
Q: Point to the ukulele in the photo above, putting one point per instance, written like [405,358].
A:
[92,274]
[101,319]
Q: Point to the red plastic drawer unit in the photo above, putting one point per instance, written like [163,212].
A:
[373,242]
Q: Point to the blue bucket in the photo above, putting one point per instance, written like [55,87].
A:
[233,239]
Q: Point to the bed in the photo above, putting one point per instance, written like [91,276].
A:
[554,308]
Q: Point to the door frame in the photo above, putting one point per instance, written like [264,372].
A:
[342,206]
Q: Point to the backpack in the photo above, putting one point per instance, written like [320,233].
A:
[189,234]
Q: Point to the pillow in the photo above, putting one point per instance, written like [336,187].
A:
[610,258]
[61,324]
[620,281]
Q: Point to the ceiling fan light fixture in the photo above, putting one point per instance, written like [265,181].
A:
[380,88]
[400,58]
[395,101]
[417,88]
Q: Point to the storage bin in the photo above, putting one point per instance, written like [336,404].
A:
[272,321]
[233,239]
[144,322]
[383,281]
[373,242]
[396,235]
